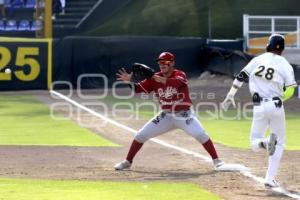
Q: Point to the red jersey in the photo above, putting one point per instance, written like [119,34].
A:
[172,96]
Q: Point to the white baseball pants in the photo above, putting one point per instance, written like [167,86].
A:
[165,121]
[267,115]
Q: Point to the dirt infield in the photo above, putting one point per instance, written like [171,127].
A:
[153,163]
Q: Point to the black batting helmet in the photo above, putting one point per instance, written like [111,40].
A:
[276,42]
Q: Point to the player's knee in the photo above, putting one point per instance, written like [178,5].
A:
[140,138]
[201,137]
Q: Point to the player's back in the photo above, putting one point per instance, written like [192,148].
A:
[268,75]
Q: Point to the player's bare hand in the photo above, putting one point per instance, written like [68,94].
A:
[227,102]
[122,75]
[159,79]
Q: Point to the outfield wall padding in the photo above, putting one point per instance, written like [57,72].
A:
[29,61]
[223,61]
[34,66]
[106,55]
[234,45]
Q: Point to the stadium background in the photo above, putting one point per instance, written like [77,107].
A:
[99,37]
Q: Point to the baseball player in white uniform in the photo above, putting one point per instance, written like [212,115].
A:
[170,86]
[271,81]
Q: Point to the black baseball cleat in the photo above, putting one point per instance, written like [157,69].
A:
[263,145]
[271,145]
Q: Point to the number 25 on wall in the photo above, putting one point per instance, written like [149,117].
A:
[23,58]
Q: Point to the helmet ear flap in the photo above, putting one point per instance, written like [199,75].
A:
[268,48]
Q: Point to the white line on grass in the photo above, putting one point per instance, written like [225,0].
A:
[205,158]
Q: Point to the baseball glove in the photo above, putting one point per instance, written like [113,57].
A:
[141,72]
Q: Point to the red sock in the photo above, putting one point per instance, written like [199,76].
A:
[209,147]
[134,148]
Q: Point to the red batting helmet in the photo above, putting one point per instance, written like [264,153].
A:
[166,56]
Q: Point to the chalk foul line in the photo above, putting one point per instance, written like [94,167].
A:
[246,173]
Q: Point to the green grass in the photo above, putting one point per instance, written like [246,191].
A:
[154,17]
[232,133]
[188,17]
[26,121]
[18,189]
[236,133]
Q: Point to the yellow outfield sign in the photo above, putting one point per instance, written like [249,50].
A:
[25,64]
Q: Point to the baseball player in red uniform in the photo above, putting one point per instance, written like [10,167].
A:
[170,86]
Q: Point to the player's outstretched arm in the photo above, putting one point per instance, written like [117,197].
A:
[122,75]
[237,83]
[229,99]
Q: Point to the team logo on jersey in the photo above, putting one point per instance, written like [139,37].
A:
[168,93]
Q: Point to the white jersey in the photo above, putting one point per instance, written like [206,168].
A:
[268,74]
